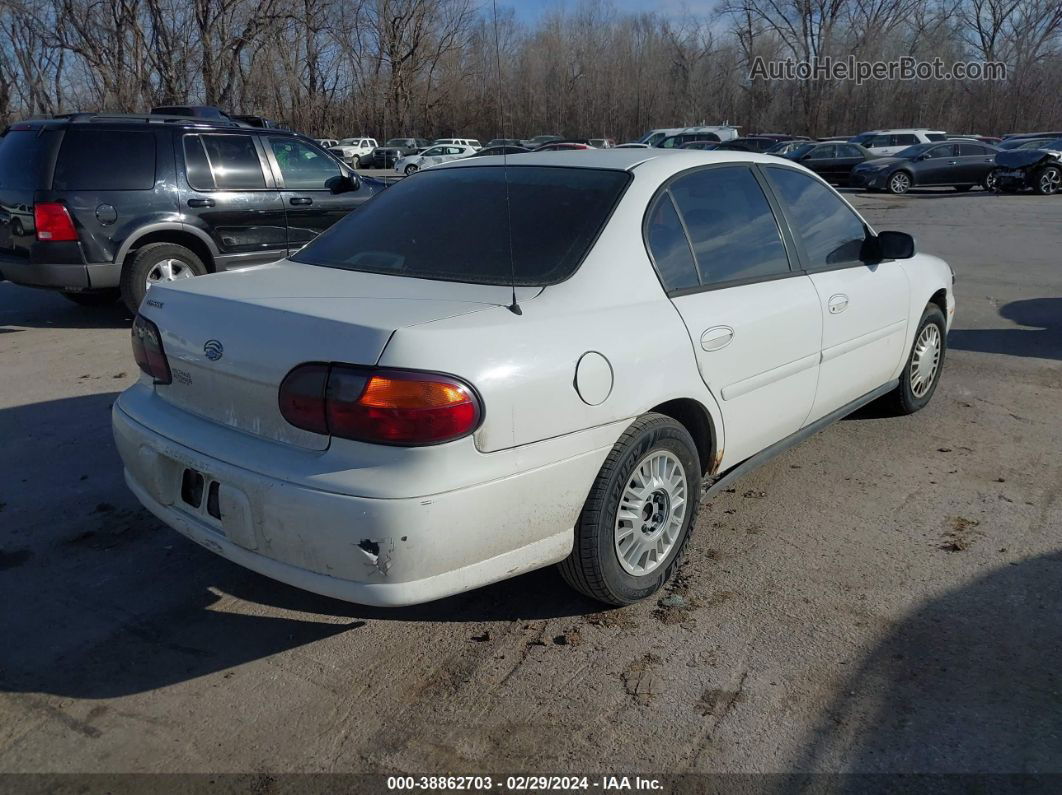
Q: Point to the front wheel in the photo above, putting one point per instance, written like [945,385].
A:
[355,162]
[1049,181]
[921,373]
[900,182]
[157,263]
[410,169]
[636,521]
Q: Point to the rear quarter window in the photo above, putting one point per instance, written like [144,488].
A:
[24,158]
[105,160]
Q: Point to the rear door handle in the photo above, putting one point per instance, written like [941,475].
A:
[200,202]
[717,337]
[837,303]
[300,200]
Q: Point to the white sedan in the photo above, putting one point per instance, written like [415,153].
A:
[433,156]
[499,366]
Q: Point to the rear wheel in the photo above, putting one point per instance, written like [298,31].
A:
[636,521]
[1049,181]
[991,180]
[921,373]
[900,182]
[157,263]
[93,297]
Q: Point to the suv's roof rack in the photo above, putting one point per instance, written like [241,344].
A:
[148,118]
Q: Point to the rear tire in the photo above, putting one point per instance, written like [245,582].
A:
[152,263]
[920,375]
[653,473]
[93,298]
[991,180]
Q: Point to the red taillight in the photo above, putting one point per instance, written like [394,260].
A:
[53,222]
[382,406]
[148,352]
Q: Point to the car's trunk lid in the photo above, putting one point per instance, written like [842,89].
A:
[231,338]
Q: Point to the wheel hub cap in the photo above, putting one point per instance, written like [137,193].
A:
[651,513]
[925,361]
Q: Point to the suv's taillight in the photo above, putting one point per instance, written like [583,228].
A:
[53,222]
[148,352]
[399,407]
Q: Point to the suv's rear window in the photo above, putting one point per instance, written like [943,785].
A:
[106,160]
[23,157]
[453,224]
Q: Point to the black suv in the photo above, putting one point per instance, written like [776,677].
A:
[394,150]
[96,204]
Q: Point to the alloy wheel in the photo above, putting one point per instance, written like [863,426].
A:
[651,513]
[1050,181]
[169,270]
[899,182]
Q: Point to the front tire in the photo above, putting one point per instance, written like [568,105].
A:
[355,162]
[636,521]
[410,170]
[899,183]
[921,372]
[1049,181]
[157,263]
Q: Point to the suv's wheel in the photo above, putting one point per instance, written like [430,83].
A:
[411,169]
[157,263]
[636,521]
[900,182]
[921,373]
[1049,181]
[93,297]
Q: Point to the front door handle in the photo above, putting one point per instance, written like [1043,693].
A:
[837,303]
[200,202]
[716,338]
[300,200]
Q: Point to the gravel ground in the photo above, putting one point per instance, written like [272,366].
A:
[884,597]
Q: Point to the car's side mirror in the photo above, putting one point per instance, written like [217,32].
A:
[888,245]
[343,183]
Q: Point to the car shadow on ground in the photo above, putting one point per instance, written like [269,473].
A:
[968,682]
[1041,336]
[34,308]
[110,601]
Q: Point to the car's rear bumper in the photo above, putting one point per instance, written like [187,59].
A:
[65,269]
[386,552]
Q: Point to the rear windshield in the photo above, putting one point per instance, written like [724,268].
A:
[24,157]
[453,224]
[106,160]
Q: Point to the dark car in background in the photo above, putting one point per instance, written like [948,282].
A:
[831,161]
[679,141]
[539,140]
[393,150]
[704,146]
[100,205]
[957,164]
[747,144]
[500,150]
[1038,168]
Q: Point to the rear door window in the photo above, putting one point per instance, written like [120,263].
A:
[971,150]
[223,162]
[831,233]
[528,224]
[731,226]
[905,139]
[105,160]
[24,156]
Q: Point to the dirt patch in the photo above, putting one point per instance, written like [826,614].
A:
[960,535]
[639,678]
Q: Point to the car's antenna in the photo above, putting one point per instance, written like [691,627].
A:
[514,307]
